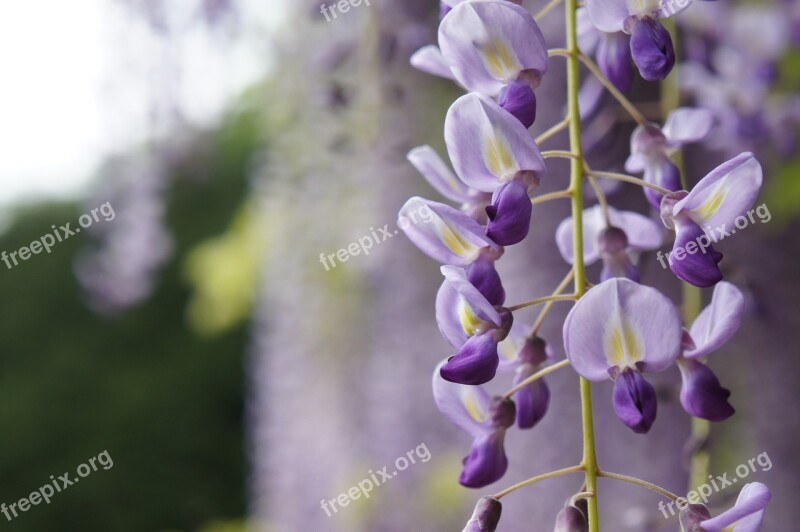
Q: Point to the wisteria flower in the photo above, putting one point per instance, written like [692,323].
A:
[486,515]
[526,355]
[746,515]
[491,43]
[652,146]
[620,329]
[702,395]
[484,418]
[650,43]
[612,51]
[628,233]
[706,214]
[472,323]
[450,237]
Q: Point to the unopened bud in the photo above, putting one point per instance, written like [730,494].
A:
[692,515]
[534,352]
[503,412]
[486,515]
[571,519]
[613,241]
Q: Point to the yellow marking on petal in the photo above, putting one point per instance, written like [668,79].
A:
[469,320]
[712,204]
[623,345]
[498,157]
[472,406]
[454,241]
[500,60]
[643,7]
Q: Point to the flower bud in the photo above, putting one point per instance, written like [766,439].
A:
[571,519]
[503,412]
[692,515]
[486,515]
[613,240]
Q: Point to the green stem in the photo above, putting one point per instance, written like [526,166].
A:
[589,461]
[537,478]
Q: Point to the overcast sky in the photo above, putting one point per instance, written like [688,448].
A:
[66,101]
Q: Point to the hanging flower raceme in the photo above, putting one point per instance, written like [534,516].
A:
[484,418]
[628,233]
[707,214]
[702,395]
[746,515]
[448,184]
[526,355]
[493,47]
[612,51]
[650,43]
[472,320]
[493,152]
[620,329]
[450,237]
[652,146]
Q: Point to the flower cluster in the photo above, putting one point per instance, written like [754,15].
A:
[619,328]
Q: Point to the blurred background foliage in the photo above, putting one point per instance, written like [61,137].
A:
[160,387]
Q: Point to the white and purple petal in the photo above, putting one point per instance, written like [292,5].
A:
[746,515]
[718,322]
[429,59]
[467,407]
[450,237]
[487,145]
[438,174]
[489,44]
[685,125]
[621,324]
[724,194]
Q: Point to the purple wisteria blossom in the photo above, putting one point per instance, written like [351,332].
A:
[486,419]
[618,330]
[707,211]
[614,241]
[651,148]
[526,355]
[472,323]
[701,393]
[612,51]
[650,43]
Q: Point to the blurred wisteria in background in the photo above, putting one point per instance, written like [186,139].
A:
[237,382]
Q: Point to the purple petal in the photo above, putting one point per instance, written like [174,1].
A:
[509,214]
[621,324]
[467,407]
[533,400]
[475,301]
[747,513]
[445,234]
[643,233]
[489,44]
[691,516]
[588,35]
[619,265]
[614,59]
[660,171]
[701,393]
[510,348]
[693,259]
[483,275]
[475,363]
[438,174]
[488,146]
[727,192]
[486,462]
[635,401]
[571,519]
[519,99]
[718,322]
[590,96]
[686,125]
[651,49]
[608,15]
[429,59]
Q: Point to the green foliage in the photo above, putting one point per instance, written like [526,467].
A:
[165,403]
